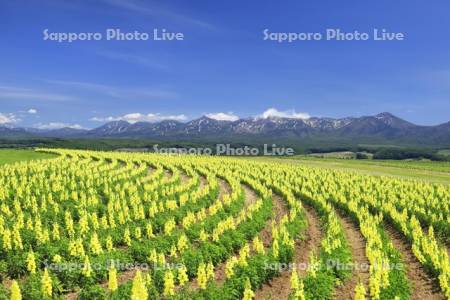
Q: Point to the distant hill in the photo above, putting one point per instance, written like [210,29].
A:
[7,131]
[383,128]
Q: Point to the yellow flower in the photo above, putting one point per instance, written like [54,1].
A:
[153,257]
[248,293]
[182,243]
[31,262]
[173,251]
[360,292]
[202,278]
[138,233]
[55,232]
[229,272]
[112,279]
[109,243]
[258,246]
[169,226]
[161,259]
[275,248]
[149,230]
[210,271]
[299,293]
[57,258]
[7,239]
[15,291]
[138,289]
[294,280]
[17,239]
[96,247]
[87,270]
[182,275]
[46,284]
[126,237]
[314,265]
[169,284]
[203,235]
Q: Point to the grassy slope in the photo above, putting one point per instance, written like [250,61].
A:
[435,166]
[438,172]
[11,156]
[444,152]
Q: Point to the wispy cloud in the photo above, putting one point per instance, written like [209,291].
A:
[57,125]
[292,114]
[138,117]
[121,93]
[104,89]
[32,111]
[8,118]
[133,59]
[14,88]
[18,93]
[157,11]
[223,116]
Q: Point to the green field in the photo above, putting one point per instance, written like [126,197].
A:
[427,165]
[445,152]
[11,156]
[430,171]
[341,155]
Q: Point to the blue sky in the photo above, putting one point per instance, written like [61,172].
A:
[223,65]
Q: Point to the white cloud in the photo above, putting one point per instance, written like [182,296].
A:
[223,116]
[32,111]
[8,118]
[292,114]
[138,117]
[57,125]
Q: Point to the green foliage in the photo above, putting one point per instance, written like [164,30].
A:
[92,292]
[400,154]
[4,293]
[321,287]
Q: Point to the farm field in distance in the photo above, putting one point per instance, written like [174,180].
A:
[109,225]
[445,152]
[431,171]
[12,155]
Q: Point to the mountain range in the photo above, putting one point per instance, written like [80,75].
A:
[384,127]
